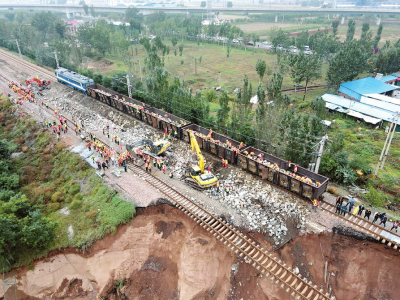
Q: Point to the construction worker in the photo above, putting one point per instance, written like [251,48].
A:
[122,128]
[227,190]
[47,105]
[223,162]
[315,204]
[217,186]
[149,167]
[163,168]
[171,175]
[154,162]
[94,138]
[226,163]
[175,134]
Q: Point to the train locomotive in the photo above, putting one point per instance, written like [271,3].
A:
[278,172]
[73,79]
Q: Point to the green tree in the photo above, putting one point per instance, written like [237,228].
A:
[261,66]
[278,37]
[364,30]
[9,16]
[174,41]
[20,17]
[60,29]
[303,67]
[133,13]
[335,26]
[101,37]
[229,4]
[350,61]
[223,111]
[180,49]
[388,60]
[44,23]
[350,30]
[22,228]
[85,8]
[378,35]
[203,4]
[92,11]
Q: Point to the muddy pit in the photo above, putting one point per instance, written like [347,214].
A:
[163,254]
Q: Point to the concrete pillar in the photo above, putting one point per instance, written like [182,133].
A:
[276,18]
[378,20]
[342,21]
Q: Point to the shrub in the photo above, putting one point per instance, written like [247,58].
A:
[57,197]
[333,190]
[24,149]
[74,189]
[91,214]
[79,197]
[76,204]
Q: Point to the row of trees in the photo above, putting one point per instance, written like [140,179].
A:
[22,226]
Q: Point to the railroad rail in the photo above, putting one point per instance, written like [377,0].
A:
[381,234]
[260,258]
[243,246]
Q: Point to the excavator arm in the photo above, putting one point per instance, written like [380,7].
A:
[195,146]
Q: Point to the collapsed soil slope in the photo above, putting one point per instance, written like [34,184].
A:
[163,254]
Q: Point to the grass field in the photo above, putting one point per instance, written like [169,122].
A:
[214,60]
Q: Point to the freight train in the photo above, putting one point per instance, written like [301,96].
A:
[277,171]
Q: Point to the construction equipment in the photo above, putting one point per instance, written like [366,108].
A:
[42,84]
[198,176]
[148,147]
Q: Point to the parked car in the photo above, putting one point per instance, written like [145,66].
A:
[307,50]
[293,49]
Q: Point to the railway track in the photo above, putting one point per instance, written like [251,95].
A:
[260,258]
[376,231]
[244,247]
[27,64]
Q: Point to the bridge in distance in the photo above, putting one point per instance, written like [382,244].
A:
[191,10]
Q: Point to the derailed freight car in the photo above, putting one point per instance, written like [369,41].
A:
[303,182]
[214,143]
[123,103]
[162,120]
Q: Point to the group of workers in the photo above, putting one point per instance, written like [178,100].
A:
[27,94]
[342,208]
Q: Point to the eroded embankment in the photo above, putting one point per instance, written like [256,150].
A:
[162,254]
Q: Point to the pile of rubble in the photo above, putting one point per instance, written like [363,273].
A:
[265,209]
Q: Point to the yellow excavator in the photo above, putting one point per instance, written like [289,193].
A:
[198,176]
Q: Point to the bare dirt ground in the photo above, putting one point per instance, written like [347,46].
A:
[163,254]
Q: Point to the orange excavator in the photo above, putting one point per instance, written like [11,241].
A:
[40,83]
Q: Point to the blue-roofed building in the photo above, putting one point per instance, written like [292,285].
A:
[388,79]
[357,88]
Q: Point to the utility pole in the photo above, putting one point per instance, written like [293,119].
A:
[55,54]
[140,67]
[129,86]
[195,66]
[384,146]
[321,150]
[390,141]
[19,50]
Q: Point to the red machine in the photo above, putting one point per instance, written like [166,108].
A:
[40,83]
